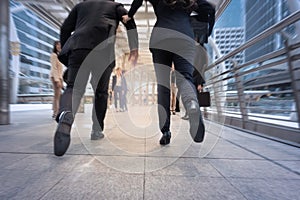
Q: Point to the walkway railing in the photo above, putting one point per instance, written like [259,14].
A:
[261,95]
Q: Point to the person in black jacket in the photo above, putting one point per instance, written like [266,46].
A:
[202,23]
[172,42]
[91,25]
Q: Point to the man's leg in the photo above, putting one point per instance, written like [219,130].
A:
[70,100]
[120,97]
[188,94]
[116,98]
[100,101]
[162,64]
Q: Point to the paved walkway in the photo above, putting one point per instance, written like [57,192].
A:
[130,164]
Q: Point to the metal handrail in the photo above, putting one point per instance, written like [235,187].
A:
[271,30]
[252,112]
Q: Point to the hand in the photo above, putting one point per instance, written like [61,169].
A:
[199,88]
[125,18]
[133,56]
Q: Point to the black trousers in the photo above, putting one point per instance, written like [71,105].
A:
[182,58]
[81,64]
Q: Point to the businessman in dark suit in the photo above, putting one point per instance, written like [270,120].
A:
[202,23]
[172,42]
[91,25]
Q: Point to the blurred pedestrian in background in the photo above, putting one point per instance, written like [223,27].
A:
[56,75]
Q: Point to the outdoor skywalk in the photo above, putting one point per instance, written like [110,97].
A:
[130,164]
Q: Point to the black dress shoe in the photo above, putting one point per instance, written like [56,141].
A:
[62,134]
[197,129]
[165,139]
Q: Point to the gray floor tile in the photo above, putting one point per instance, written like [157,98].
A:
[180,167]
[251,169]
[177,187]
[227,150]
[268,189]
[7,159]
[292,165]
[34,184]
[88,185]
[129,163]
[124,164]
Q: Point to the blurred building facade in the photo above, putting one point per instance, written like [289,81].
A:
[35,39]
[228,39]
[229,33]
[260,15]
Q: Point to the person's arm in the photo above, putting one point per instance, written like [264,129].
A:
[198,80]
[68,26]
[211,19]
[131,34]
[135,5]
[206,13]
[131,28]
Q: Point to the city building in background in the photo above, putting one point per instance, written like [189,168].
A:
[35,38]
[228,39]
[229,33]
[260,15]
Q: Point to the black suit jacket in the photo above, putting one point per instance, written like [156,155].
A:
[171,19]
[206,13]
[92,22]
[203,22]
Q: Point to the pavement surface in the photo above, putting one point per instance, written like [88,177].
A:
[129,163]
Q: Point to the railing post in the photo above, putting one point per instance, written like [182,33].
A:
[240,94]
[294,6]
[4,62]
[295,78]
[218,88]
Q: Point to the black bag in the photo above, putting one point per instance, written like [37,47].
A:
[204,99]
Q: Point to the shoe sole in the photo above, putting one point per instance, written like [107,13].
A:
[62,136]
[197,129]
